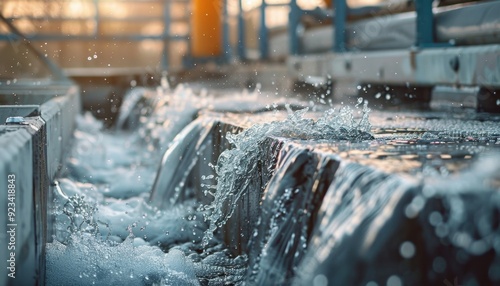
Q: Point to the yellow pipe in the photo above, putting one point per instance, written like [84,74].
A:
[206,28]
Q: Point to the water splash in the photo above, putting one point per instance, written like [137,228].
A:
[77,215]
[289,209]
[367,218]
[102,209]
[237,166]
[368,221]
[179,161]
[94,263]
[135,104]
[356,206]
[158,116]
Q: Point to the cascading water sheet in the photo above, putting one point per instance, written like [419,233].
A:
[278,197]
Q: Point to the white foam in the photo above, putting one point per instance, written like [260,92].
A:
[106,232]
[88,261]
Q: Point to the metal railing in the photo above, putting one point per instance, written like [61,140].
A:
[98,19]
[339,16]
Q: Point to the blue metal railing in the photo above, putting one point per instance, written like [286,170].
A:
[264,32]
[295,15]
[263,29]
[424,27]
[294,22]
[339,22]
[241,32]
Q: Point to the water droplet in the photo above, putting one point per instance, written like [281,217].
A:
[407,249]
[394,280]
[320,280]
[360,100]
[435,218]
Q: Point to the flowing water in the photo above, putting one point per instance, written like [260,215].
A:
[206,190]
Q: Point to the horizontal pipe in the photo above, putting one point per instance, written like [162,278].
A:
[56,37]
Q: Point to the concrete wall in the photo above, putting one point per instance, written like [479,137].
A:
[59,115]
[16,159]
[32,152]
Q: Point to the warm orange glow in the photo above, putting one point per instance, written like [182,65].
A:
[206,26]
[75,10]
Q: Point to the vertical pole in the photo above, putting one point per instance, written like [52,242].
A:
[96,19]
[241,32]
[339,26]
[166,34]
[425,23]
[188,59]
[225,33]
[264,48]
[294,20]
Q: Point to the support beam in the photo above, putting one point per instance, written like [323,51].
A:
[293,25]
[241,32]
[226,46]
[339,22]
[166,32]
[425,23]
[263,32]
